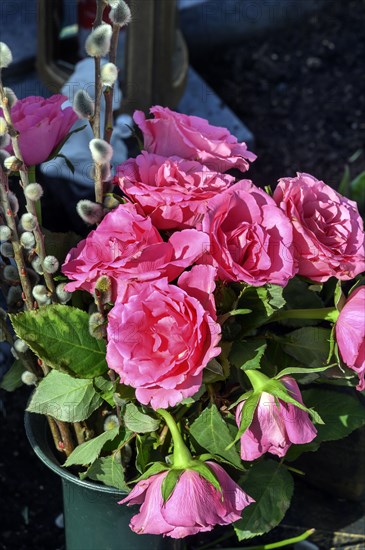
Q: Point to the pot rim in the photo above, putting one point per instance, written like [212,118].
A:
[37,431]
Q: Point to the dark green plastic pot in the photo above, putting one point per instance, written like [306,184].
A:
[93,519]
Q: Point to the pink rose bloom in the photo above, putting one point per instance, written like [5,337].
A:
[172,191]
[42,125]
[350,334]
[195,505]
[191,137]
[275,425]
[126,246]
[328,230]
[250,237]
[160,338]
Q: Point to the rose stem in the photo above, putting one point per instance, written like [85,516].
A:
[30,205]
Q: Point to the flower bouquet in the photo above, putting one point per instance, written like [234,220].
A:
[196,341]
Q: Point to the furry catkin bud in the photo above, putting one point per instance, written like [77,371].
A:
[90,212]
[97,326]
[4,140]
[37,265]
[101,151]
[32,275]
[50,264]
[113,3]
[98,42]
[120,14]
[11,274]
[4,126]
[27,240]
[109,74]
[103,287]
[14,203]
[5,233]
[28,378]
[63,295]
[110,202]
[111,422]
[12,164]
[6,56]
[6,250]
[20,346]
[3,156]
[83,105]
[14,296]
[33,191]
[105,172]
[40,293]
[28,222]
[10,96]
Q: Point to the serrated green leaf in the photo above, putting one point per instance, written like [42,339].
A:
[271,485]
[108,470]
[169,483]
[139,422]
[88,452]
[212,433]
[12,379]
[341,412]
[106,388]
[247,354]
[156,468]
[64,397]
[59,335]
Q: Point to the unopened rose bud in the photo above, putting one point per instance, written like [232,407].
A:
[14,203]
[14,296]
[4,140]
[27,240]
[28,222]
[6,56]
[111,422]
[37,265]
[90,212]
[111,202]
[6,250]
[105,172]
[28,378]
[5,233]
[97,326]
[109,74]
[11,274]
[50,264]
[63,295]
[83,105]
[40,293]
[3,126]
[120,14]
[12,163]
[98,42]
[33,191]
[10,96]
[20,346]
[101,151]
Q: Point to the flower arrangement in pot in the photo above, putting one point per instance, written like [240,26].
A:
[192,345]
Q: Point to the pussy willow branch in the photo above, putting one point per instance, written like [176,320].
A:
[109,92]
[30,205]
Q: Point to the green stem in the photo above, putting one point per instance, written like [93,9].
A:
[37,204]
[258,380]
[182,455]
[324,313]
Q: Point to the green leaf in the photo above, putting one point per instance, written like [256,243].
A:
[88,452]
[300,370]
[106,388]
[169,483]
[248,410]
[298,295]
[108,470]
[60,336]
[12,379]
[65,398]
[247,354]
[344,185]
[156,468]
[212,433]
[309,345]
[341,412]
[58,148]
[271,485]
[357,187]
[139,422]
[69,164]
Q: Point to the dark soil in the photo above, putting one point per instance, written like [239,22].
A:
[301,90]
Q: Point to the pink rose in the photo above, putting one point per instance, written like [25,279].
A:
[192,137]
[250,238]
[275,425]
[42,125]
[172,191]
[160,338]
[328,230]
[126,246]
[350,334]
[195,505]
